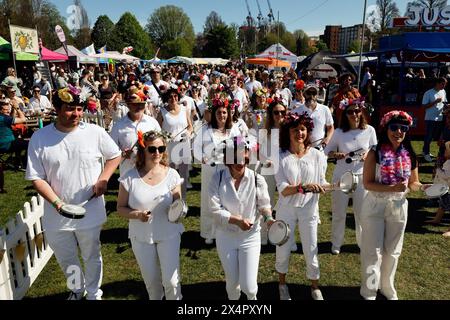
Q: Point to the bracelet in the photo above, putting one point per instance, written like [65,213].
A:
[300,189]
[56,202]
[268,218]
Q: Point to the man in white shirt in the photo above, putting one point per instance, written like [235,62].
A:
[321,115]
[38,103]
[433,101]
[65,165]
[161,87]
[252,84]
[125,131]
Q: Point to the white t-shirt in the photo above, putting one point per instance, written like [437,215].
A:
[157,199]
[155,99]
[43,104]
[351,141]
[253,86]
[189,103]
[71,163]
[124,133]
[321,117]
[435,112]
[239,94]
[286,95]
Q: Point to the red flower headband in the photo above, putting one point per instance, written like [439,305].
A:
[293,119]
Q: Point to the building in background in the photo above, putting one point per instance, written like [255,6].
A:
[331,37]
[338,39]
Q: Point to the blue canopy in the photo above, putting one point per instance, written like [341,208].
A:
[436,42]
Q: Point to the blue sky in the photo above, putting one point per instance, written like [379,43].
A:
[310,16]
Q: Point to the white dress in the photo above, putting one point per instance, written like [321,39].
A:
[180,149]
[207,145]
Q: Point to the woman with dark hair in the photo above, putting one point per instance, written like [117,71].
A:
[175,119]
[238,197]
[299,178]
[145,195]
[354,136]
[208,145]
[390,171]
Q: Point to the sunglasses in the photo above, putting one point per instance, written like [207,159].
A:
[394,127]
[353,112]
[160,149]
[279,113]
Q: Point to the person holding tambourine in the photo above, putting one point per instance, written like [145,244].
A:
[390,170]
[65,164]
[238,197]
[145,196]
[349,144]
[299,178]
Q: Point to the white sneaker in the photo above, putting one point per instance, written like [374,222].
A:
[189,185]
[294,247]
[335,250]
[316,294]
[209,241]
[284,292]
[428,158]
[76,295]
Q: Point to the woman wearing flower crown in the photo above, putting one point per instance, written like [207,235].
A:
[238,197]
[390,171]
[208,145]
[355,136]
[255,116]
[145,195]
[299,178]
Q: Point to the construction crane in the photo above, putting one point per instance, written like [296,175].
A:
[260,15]
[270,15]
[249,18]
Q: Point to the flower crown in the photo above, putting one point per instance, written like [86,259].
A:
[394,115]
[71,94]
[349,102]
[261,92]
[144,136]
[292,118]
[220,102]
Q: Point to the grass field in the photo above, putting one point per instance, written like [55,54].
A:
[423,271]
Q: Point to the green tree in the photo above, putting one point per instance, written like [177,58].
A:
[128,32]
[170,23]
[221,42]
[321,46]
[302,43]
[213,20]
[102,31]
[177,47]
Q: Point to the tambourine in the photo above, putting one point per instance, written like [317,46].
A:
[279,233]
[436,190]
[177,211]
[347,183]
[73,211]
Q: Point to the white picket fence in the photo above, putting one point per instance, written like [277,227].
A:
[24,251]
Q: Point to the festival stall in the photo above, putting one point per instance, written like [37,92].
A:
[279,52]
[77,56]
[48,55]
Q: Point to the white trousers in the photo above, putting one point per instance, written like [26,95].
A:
[160,264]
[307,225]
[64,245]
[383,225]
[239,255]
[207,226]
[339,204]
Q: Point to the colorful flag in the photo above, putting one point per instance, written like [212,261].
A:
[102,49]
[24,39]
[89,50]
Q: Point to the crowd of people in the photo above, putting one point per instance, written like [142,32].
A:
[255,133]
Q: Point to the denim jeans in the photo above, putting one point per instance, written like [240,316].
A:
[433,131]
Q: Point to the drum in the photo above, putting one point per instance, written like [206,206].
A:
[177,211]
[436,190]
[348,182]
[72,211]
[279,233]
